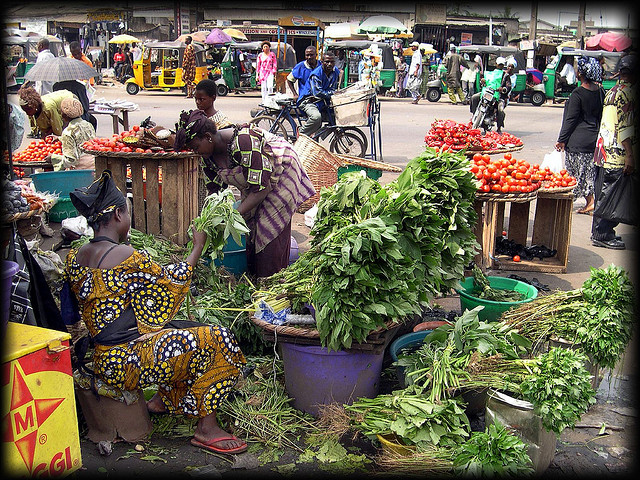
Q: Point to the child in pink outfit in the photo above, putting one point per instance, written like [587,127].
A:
[266,68]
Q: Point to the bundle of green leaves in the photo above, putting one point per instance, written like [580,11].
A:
[219,219]
[559,388]
[412,418]
[597,318]
[496,452]
[381,253]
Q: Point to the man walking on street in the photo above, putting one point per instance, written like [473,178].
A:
[615,148]
[453,60]
[44,54]
[415,73]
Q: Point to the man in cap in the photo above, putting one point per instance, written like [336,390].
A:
[452,61]
[415,73]
[614,154]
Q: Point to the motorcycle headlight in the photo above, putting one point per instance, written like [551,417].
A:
[545,78]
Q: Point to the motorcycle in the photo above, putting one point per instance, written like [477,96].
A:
[485,115]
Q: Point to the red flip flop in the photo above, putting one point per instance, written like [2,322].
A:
[227,451]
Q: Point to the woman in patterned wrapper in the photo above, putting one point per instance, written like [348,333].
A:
[267,171]
[128,301]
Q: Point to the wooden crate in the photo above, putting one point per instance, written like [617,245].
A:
[170,213]
[551,228]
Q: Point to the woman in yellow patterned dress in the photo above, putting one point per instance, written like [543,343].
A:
[127,302]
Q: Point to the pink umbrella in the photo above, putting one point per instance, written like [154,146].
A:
[217,37]
[610,41]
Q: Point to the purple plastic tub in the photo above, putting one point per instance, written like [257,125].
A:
[313,376]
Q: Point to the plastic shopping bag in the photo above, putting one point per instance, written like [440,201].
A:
[617,201]
[552,160]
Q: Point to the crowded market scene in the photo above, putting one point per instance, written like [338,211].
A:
[266,241]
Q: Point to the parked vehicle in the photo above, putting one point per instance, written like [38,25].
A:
[160,67]
[352,56]
[21,52]
[437,85]
[548,88]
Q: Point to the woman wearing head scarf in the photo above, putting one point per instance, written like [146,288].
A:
[44,110]
[266,170]
[579,131]
[76,132]
[127,302]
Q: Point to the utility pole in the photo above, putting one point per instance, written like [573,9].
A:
[581,23]
[533,23]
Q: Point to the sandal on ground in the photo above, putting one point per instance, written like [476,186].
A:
[211,445]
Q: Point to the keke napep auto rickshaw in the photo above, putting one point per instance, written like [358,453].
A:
[21,52]
[239,64]
[548,87]
[352,55]
[488,54]
[160,67]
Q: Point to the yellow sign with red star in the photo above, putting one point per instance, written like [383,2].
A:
[39,422]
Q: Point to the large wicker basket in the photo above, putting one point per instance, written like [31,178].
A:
[320,164]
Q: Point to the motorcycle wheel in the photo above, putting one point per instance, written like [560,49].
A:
[222,90]
[433,94]
[477,118]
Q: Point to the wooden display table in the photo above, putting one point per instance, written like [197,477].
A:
[169,213]
[551,228]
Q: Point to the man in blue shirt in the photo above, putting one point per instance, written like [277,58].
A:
[323,82]
[301,72]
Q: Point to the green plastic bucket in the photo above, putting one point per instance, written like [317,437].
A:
[63,208]
[492,309]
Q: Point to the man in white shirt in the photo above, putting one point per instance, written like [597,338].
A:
[567,76]
[415,73]
[44,54]
[136,51]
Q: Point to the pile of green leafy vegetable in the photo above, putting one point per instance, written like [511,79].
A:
[598,317]
[452,356]
[412,418]
[482,289]
[381,253]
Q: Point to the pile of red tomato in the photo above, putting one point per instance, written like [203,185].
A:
[459,136]
[510,175]
[38,150]
[116,143]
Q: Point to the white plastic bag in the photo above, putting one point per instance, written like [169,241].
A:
[310,216]
[552,160]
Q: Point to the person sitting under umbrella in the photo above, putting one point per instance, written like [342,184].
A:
[44,111]
[76,132]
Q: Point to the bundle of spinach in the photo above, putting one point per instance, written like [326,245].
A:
[483,289]
[362,279]
[559,388]
[598,317]
[492,453]
[451,356]
[219,219]
[412,418]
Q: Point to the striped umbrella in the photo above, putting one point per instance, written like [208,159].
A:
[59,69]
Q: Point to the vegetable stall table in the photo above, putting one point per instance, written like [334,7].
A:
[119,116]
[164,188]
[551,227]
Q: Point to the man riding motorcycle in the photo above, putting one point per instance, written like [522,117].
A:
[500,81]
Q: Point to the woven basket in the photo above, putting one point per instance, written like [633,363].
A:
[507,197]
[557,189]
[19,216]
[320,164]
[158,155]
[364,162]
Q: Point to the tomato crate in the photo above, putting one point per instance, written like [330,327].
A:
[164,187]
[551,227]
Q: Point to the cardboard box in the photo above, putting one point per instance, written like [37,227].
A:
[39,421]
